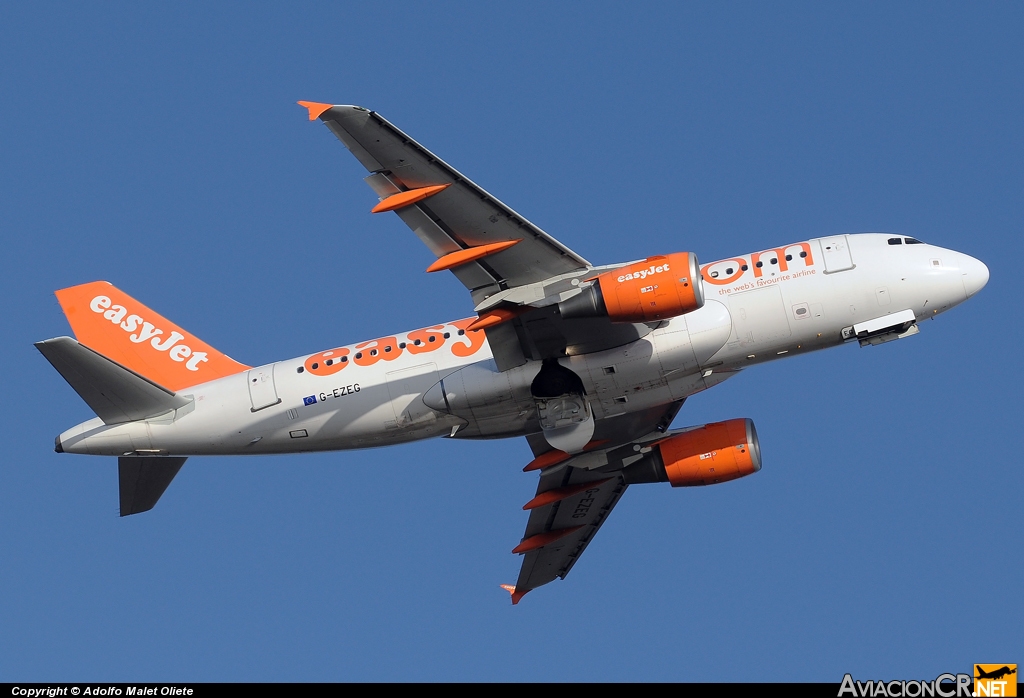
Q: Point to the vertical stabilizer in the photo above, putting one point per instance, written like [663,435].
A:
[112,323]
[143,480]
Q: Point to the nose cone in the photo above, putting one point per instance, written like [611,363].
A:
[974,274]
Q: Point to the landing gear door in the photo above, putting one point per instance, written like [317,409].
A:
[262,390]
[835,251]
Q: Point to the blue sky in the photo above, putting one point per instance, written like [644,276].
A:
[160,148]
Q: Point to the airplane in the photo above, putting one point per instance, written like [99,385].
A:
[994,674]
[591,364]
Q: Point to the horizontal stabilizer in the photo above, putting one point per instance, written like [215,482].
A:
[114,393]
[143,480]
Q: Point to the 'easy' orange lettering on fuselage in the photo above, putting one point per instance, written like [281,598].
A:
[727,271]
[420,341]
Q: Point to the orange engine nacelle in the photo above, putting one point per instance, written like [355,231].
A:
[654,289]
[706,455]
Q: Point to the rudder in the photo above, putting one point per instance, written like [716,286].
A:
[112,323]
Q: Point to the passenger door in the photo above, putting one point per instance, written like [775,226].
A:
[835,251]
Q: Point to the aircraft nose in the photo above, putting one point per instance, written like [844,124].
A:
[974,274]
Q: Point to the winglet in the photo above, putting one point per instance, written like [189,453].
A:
[516,595]
[315,109]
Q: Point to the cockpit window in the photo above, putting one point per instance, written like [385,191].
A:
[912,241]
[895,241]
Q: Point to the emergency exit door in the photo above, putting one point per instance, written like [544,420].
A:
[262,391]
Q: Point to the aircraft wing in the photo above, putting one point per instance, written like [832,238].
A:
[513,266]
[575,496]
[459,217]
[558,533]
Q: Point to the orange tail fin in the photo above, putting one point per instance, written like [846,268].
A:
[112,323]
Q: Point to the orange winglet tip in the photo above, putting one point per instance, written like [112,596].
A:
[542,539]
[496,317]
[407,198]
[546,460]
[315,109]
[557,495]
[460,257]
[516,595]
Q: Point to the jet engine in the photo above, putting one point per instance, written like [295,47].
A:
[654,289]
[703,455]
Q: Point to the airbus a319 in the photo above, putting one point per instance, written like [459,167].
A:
[589,363]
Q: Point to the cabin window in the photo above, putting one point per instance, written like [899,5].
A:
[775,260]
[714,275]
[344,359]
[462,332]
[744,267]
[895,241]
[447,335]
[432,338]
[803,254]
[315,365]
[401,345]
[329,362]
[359,355]
[729,271]
[300,369]
[759,265]
[373,352]
[789,258]
[387,349]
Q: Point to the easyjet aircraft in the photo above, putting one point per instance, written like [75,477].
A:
[590,363]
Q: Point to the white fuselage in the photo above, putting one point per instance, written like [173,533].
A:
[377,395]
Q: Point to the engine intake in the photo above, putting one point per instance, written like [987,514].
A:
[706,455]
[654,289]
